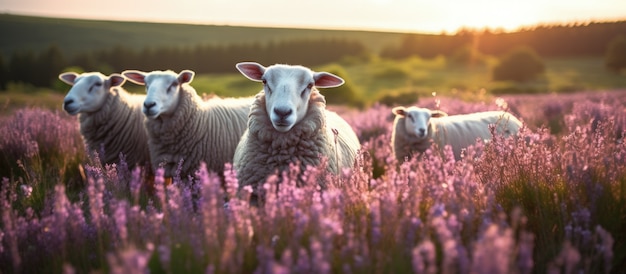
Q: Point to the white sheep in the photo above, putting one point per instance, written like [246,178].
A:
[289,124]
[183,129]
[110,117]
[416,128]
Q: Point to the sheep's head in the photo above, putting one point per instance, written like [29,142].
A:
[163,89]
[287,90]
[89,90]
[417,120]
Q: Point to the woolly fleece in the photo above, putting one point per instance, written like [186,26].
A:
[198,131]
[263,150]
[458,131]
[118,127]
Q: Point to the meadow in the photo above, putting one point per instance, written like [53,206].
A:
[553,200]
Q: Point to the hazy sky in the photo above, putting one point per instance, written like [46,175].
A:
[431,16]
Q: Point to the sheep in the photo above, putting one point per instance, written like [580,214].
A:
[289,124]
[415,128]
[110,117]
[185,130]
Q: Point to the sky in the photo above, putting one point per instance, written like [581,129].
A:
[423,16]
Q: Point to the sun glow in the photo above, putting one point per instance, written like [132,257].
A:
[387,15]
[507,16]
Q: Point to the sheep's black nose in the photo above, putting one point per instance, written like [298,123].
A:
[67,102]
[283,113]
[422,130]
[149,105]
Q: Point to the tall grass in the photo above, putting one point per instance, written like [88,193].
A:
[539,203]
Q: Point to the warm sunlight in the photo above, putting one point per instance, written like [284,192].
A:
[489,14]
[398,15]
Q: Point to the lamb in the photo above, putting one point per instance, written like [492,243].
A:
[110,117]
[416,128]
[185,130]
[289,124]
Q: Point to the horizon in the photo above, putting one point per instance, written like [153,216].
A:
[338,28]
[415,16]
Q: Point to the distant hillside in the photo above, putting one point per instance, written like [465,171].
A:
[75,36]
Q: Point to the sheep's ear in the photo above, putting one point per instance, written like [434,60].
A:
[253,71]
[68,77]
[186,76]
[116,80]
[399,111]
[135,76]
[327,80]
[437,113]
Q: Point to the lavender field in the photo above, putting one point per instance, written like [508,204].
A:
[553,200]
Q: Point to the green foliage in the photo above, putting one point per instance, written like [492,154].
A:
[520,64]
[347,94]
[49,63]
[18,95]
[426,46]
[467,55]
[40,70]
[390,71]
[615,57]
[396,98]
[4,77]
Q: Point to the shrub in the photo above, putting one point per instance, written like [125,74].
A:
[467,55]
[347,94]
[399,98]
[520,64]
[615,58]
[4,73]
[390,71]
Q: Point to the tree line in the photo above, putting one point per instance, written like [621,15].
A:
[41,69]
[548,41]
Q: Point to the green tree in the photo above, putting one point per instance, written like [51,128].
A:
[21,65]
[467,55]
[50,62]
[519,64]
[4,74]
[615,57]
[347,94]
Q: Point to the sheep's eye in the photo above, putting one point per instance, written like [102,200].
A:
[95,85]
[411,118]
[264,81]
[172,87]
[308,87]
[267,87]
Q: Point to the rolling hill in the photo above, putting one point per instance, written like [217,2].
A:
[75,36]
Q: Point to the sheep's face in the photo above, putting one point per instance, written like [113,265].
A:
[287,90]
[89,90]
[163,90]
[417,120]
